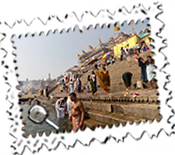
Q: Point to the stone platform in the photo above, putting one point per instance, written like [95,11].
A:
[115,108]
[145,95]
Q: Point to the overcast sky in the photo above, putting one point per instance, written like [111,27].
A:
[40,55]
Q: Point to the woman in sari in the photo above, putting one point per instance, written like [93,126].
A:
[104,79]
[93,83]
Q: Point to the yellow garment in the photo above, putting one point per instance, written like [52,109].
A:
[104,80]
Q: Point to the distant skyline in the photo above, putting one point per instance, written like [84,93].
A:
[40,55]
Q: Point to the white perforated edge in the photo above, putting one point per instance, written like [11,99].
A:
[85,136]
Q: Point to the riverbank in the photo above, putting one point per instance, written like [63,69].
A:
[113,108]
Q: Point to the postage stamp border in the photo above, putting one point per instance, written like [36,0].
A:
[37,26]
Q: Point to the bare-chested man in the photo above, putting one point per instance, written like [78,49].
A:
[77,113]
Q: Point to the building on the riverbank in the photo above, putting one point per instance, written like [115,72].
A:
[132,41]
[36,84]
[95,55]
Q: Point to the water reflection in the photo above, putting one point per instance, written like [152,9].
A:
[33,128]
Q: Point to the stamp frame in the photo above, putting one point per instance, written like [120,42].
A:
[136,130]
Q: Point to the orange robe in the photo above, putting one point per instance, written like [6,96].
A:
[104,80]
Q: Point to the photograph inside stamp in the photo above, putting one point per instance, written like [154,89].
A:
[94,77]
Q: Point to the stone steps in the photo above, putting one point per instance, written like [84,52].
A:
[93,124]
[117,69]
[112,118]
[109,110]
[148,97]
[136,109]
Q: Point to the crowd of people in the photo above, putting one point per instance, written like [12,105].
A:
[74,85]
[147,73]
[147,70]
[126,52]
[74,108]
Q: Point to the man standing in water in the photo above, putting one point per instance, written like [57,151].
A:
[77,113]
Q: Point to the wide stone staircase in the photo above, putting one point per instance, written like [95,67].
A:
[124,109]
[116,71]
[109,113]
[115,108]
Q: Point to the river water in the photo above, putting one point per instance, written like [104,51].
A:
[31,128]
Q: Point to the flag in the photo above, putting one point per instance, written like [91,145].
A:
[99,41]
[90,47]
[79,56]
[83,52]
[116,28]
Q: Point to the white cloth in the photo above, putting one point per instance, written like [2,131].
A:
[149,69]
[75,86]
[69,102]
[71,86]
[60,111]
[93,78]
[127,52]
[137,46]
[126,49]
[71,89]
[77,82]
[71,83]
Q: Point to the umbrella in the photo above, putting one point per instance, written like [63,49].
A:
[106,56]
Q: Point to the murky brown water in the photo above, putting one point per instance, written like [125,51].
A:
[32,128]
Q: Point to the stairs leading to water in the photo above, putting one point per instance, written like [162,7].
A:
[109,113]
[115,108]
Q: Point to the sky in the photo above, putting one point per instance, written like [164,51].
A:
[55,53]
